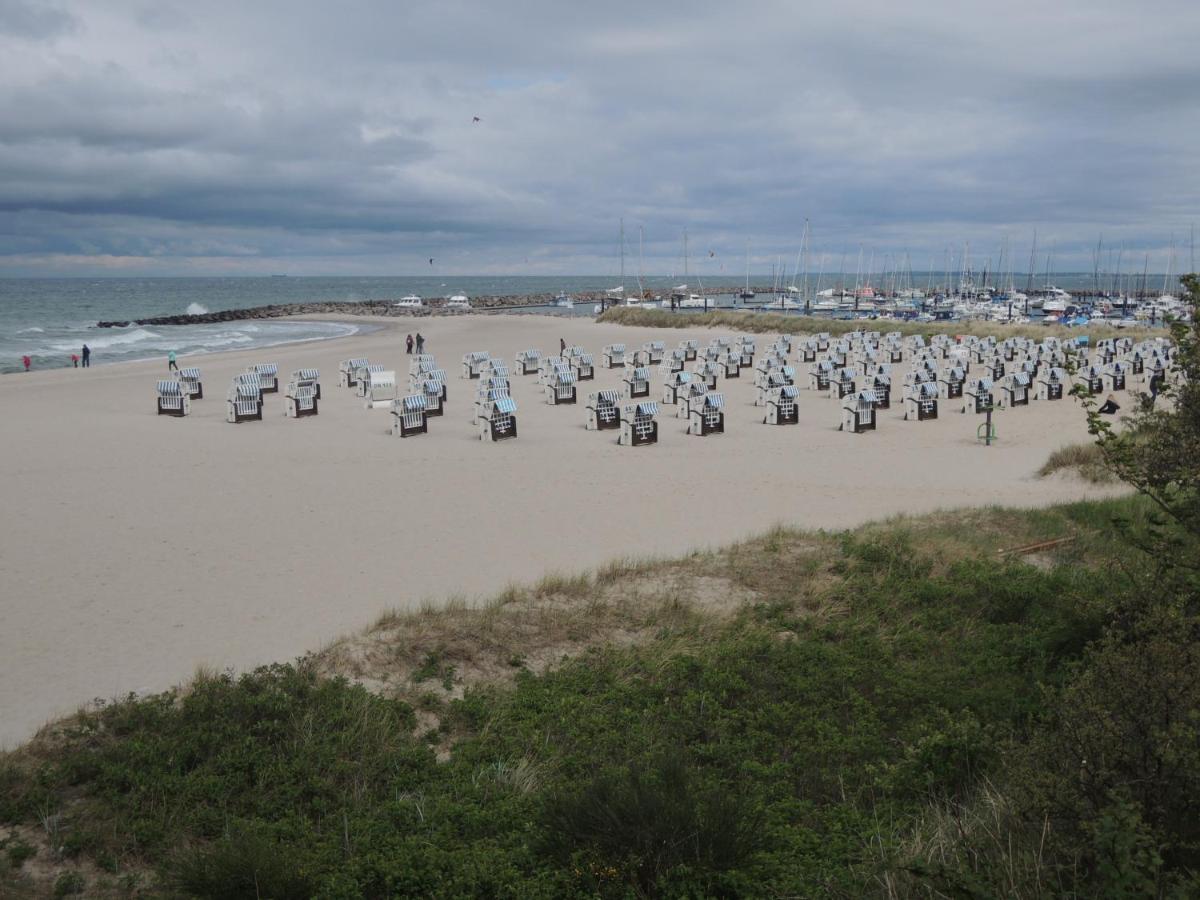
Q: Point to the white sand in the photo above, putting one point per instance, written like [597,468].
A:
[134,547]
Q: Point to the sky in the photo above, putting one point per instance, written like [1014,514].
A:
[255,138]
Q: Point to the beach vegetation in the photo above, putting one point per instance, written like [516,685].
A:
[1084,460]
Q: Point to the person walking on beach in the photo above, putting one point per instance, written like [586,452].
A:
[408,342]
[420,343]
[562,346]
[87,357]
[27,361]
[1156,381]
[171,364]
[75,360]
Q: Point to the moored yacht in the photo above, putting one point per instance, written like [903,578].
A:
[412,301]
[458,301]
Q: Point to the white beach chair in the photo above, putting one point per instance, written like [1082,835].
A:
[978,395]
[173,400]
[1014,390]
[674,385]
[1114,375]
[1051,382]
[707,373]
[434,391]
[673,361]
[858,412]
[498,421]
[189,380]
[708,417]
[347,370]
[311,377]
[268,376]
[527,362]
[613,356]
[408,416]
[921,401]
[380,390]
[471,363]
[244,401]
[638,425]
[951,382]
[585,369]
[654,351]
[782,408]
[561,388]
[842,384]
[604,410]
[637,382]
[362,378]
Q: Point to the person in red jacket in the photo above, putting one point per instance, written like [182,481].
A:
[28,362]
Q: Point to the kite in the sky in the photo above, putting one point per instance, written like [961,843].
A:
[476,119]
[431,260]
[712,253]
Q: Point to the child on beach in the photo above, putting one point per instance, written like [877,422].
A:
[171,361]
[75,360]
[408,342]
[28,362]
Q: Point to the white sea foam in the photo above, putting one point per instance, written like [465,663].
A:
[131,337]
[33,330]
[196,309]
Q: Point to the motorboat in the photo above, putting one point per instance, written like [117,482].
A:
[458,301]
[412,301]
[562,301]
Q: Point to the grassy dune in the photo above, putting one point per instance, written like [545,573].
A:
[803,713]
[775,323]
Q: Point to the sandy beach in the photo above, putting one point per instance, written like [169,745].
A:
[134,548]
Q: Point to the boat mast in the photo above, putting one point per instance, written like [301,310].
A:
[622,261]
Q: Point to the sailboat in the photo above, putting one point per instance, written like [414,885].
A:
[746,293]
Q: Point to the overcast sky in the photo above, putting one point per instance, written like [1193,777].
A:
[338,138]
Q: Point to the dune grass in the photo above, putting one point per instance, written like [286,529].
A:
[775,699]
[776,323]
[1084,460]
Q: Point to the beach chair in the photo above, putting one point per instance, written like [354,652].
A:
[173,400]
[882,388]
[347,369]
[362,377]
[419,369]
[550,366]
[604,410]
[300,398]
[822,339]
[729,364]
[268,377]
[782,406]
[638,425]
[921,401]
[706,373]
[654,351]
[673,361]
[1092,380]
[674,385]
[767,363]
[527,362]
[583,366]
[808,351]
[819,375]
[243,402]
[993,367]
[487,393]
[1137,363]
[472,362]
[1113,376]
[1050,383]
[691,395]
[858,412]
[746,350]
[893,351]
[416,382]
[379,390]
[493,368]
[637,382]
[708,417]
[687,350]
[434,392]
[561,388]
[978,395]
[1014,390]
[785,341]
[498,421]
[842,383]
[189,381]
[613,356]
[408,416]
[951,381]
[774,380]
[310,376]
[421,362]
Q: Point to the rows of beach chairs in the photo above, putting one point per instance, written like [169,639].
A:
[863,372]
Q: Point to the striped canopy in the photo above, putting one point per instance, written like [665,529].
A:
[266,368]
[714,401]
[169,388]
[414,402]
[789,390]
[649,408]
[306,375]
[505,405]
[615,348]
[189,374]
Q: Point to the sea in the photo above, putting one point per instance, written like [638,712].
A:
[51,318]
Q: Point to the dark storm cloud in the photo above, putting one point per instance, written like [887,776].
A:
[169,137]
